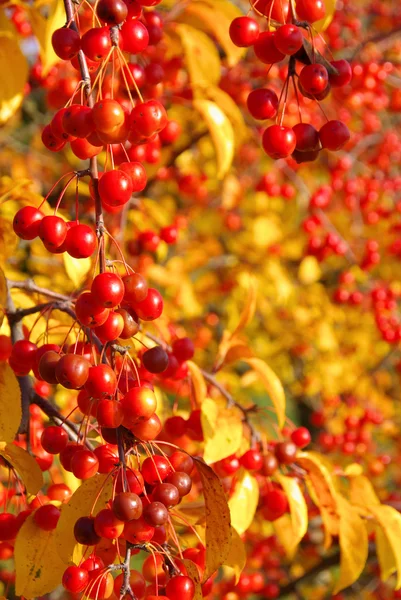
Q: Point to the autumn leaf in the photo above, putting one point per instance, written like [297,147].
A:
[3,297]
[221,132]
[14,75]
[389,520]
[248,311]
[230,108]
[43,27]
[354,545]
[298,510]
[244,501]
[230,350]
[193,573]
[198,382]
[201,55]
[385,554]
[81,504]
[26,467]
[322,25]
[218,523]
[272,385]
[222,430]
[10,403]
[39,568]
[77,269]
[309,270]
[237,556]
[361,491]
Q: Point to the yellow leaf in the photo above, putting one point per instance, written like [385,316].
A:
[218,525]
[361,491]
[385,554]
[323,24]
[193,573]
[39,568]
[298,510]
[323,491]
[201,55]
[249,309]
[237,556]
[222,430]
[10,403]
[389,519]
[43,28]
[221,131]
[353,470]
[309,270]
[215,18]
[230,350]
[81,504]
[3,298]
[272,385]
[77,269]
[354,545]
[244,501]
[198,382]
[26,467]
[230,108]
[14,75]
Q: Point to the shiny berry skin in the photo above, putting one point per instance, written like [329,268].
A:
[101,382]
[262,104]
[107,457]
[137,173]
[169,234]
[135,36]
[181,587]
[181,461]
[127,506]
[52,231]
[288,39]
[167,494]
[148,118]
[334,135]
[266,49]
[66,43]
[115,188]
[88,311]
[155,360]
[155,514]
[147,430]
[276,503]
[244,31]
[182,481]
[112,12]
[107,115]
[59,491]
[80,241]
[170,133]
[107,525]
[84,464]
[50,141]
[131,325]
[285,452]
[279,141]
[314,78]
[252,460]
[96,43]
[101,584]
[84,150]
[46,517]
[108,289]
[135,288]
[135,482]
[307,137]
[344,75]
[54,439]
[138,404]
[151,307]
[138,531]
[67,454]
[92,562]
[8,526]
[26,222]
[310,10]
[155,469]
[75,579]
[84,531]
[72,371]
[301,437]
[109,413]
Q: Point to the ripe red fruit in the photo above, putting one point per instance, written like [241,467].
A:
[314,79]
[112,12]
[47,516]
[72,371]
[180,480]
[96,43]
[84,464]
[344,75]
[127,506]
[107,525]
[80,241]
[108,289]
[101,584]
[135,288]
[151,307]
[279,141]
[111,329]
[59,491]
[169,234]
[276,503]
[181,587]
[135,482]
[285,452]
[5,347]
[26,222]
[252,460]
[8,526]
[167,494]
[307,137]
[108,115]
[288,39]
[135,36]
[244,31]
[115,188]
[181,461]
[84,150]
[301,437]
[23,356]
[266,49]
[66,43]
[310,10]
[334,135]
[50,141]
[137,173]
[138,531]
[183,349]
[148,118]
[101,382]
[107,457]
[262,104]
[130,324]
[147,430]
[52,232]
[155,469]
[109,413]
[77,121]
[75,579]
[155,360]
[155,514]
[89,312]
[138,404]
[54,439]
[84,531]
[170,133]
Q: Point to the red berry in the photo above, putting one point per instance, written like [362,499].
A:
[310,10]
[314,79]
[66,43]
[26,222]
[46,517]
[181,587]
[135,36]
[301,437]
[54,439]
[244,31]
[266,49]
[262,104]
[288,39]
[96,43]
[279,141]
[75,579]
[334,135]
[108,289]
[344,75]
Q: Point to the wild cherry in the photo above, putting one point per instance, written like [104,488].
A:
[244,31]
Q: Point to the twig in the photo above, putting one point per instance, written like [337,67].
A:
[30,286]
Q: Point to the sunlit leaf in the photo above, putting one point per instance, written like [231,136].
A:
[323,24]
[231,109]
[26,467]
[91,497]
[385,554]
[221,131]
[237,555]
[201,55]
[198,382]
[244,501]
[43,27]
[14,75]
[309,270]
[222,430]
[361,491]
[218,523]
[39,568]
[272,385]
[249,309]
[298,509]
[193,573]
[3,305]
[10,403]
[354,544]
[389,519]
[77,269]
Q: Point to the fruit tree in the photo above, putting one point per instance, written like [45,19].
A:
[200,289]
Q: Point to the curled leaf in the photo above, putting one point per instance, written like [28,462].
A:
[43,25]
[361,491]
[272,385]
[218,523]
[298,510]
[10,403]
[201,55]
[14,74]
[244,501]
[91,497]
[198,382]
[389,520]
[25,465]
[222,430]
[38,567]
[249,309]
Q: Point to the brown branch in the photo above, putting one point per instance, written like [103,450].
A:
[30,286]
